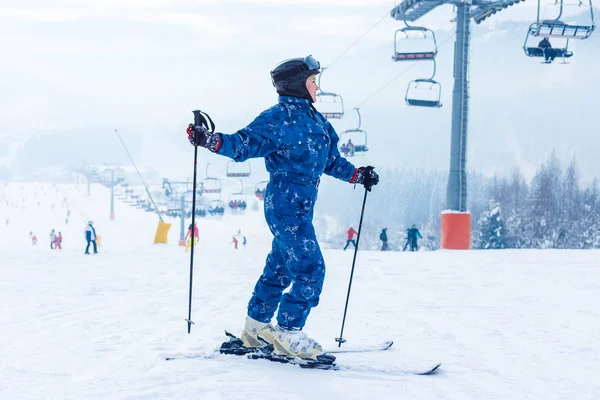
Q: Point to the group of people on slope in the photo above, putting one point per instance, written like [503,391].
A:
[193,232]
[412,236]
[56,239]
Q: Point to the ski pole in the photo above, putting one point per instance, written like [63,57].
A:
[341,339]
[198,120]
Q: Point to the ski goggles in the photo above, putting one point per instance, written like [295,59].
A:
[312,63]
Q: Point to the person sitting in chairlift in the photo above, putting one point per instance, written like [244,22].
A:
[549,52]
[345,150]
[350,147]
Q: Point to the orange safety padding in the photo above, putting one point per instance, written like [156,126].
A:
[456,231]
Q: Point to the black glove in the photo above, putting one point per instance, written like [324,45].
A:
[198,135]
[367,177]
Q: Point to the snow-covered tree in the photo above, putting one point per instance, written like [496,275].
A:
[492,230]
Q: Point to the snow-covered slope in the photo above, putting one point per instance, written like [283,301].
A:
[506,324]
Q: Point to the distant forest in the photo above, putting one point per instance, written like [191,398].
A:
[553,211]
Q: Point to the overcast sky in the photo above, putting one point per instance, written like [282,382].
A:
[143,65]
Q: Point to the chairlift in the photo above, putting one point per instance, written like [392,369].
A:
[353,141]
[260,189]
[238,200]
[424,92]
[210,184]
[410,33]
[557,27]
[237,170]
[329,104]
[216,207]
[533,49]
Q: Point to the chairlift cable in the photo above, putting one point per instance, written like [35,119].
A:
[398,76]
[387,13]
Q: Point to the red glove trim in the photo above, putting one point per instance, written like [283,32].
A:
[355,175]
[218,145]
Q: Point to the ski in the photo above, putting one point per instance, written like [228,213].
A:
[191,356]
[302,364]
[325,361]
[361,349]
[325,364]
[395,372]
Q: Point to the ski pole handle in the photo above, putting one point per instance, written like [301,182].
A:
[197,117]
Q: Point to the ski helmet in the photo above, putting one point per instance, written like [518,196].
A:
[289,77]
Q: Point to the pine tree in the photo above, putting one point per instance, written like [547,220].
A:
[571,210]
[542,217]
[590,228]
[492,230]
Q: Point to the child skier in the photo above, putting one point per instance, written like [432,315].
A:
[298,145]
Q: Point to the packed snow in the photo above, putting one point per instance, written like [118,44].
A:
[506,324]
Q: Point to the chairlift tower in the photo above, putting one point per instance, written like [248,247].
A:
[112,183]
[456,221]
[170,190]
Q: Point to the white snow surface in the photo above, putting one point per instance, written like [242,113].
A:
[509,324]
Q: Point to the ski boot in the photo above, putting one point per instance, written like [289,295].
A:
[255,338]
[253,329]
[295,343]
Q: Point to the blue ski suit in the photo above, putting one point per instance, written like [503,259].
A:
[298,145]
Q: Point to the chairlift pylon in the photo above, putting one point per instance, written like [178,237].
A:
[349,148]
[329,104]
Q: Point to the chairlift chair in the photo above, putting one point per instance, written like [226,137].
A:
[215,205]
[434,100]
[403,34]
[238,170]
[359,136]
[260,189]
[239,198]
[238,201]
[557,27]
[329,104]
[210,184]
[424,92]
[533,50]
